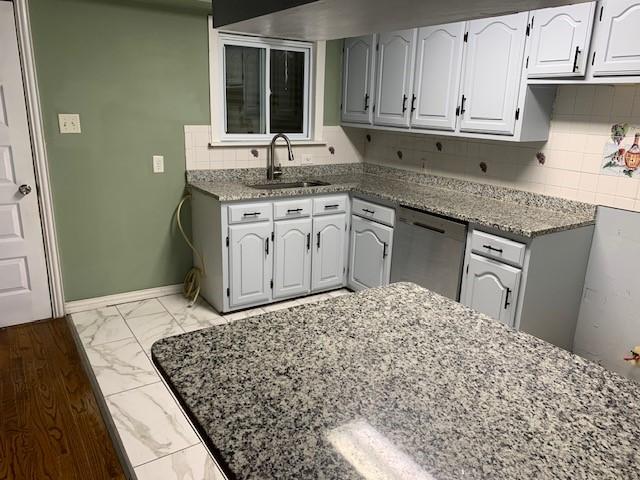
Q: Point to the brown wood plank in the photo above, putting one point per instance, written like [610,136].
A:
[50,424]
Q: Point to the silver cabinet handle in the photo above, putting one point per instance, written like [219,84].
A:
[24,189]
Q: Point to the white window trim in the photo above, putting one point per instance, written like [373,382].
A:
[314,88]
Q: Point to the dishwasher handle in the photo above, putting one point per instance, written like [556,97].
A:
[428,227]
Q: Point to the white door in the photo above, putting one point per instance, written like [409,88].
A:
[396,55]
[292,260]
[492,74]
[437,76]
[24,286]
[616,48]
[492,288]
[560,40]
[250,263]
[370,256]
[328,265]
[358,77]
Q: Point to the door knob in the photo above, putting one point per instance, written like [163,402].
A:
[24,189]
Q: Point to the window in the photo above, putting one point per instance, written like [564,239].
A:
[266,85]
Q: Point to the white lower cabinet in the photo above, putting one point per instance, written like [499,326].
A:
[370,256]
[292,258]
[492,288]
[250,263]
[328,251]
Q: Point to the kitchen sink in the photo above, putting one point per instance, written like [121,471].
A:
[282,185]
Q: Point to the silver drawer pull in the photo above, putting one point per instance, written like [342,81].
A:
[493,249]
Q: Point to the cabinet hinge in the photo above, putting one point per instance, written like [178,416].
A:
[466,37]
[517,113]
[227,242]
[526,65]
[271,284]
[601,10]
[228,292]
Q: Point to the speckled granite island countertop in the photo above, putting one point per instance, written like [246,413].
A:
[400,380]
[509,210]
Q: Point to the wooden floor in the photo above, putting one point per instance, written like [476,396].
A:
[50,425]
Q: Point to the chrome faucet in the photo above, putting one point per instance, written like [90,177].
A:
[273,171]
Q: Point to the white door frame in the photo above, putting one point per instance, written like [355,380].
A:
[40,161]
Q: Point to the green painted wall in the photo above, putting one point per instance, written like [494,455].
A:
[332,82]
[136,71]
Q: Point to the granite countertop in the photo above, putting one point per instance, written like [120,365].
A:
[527,219]
[401,380]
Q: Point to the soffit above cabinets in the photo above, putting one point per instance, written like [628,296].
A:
[332,19]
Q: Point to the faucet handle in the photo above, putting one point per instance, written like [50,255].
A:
[277,171]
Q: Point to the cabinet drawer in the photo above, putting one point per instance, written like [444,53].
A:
[292,208]
[373,211]
[327,205]
[249,212]
[498,247]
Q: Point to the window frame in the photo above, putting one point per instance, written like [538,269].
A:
[267,44]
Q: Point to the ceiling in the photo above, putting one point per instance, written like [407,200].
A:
[331,19]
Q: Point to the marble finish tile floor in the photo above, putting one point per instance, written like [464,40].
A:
[158,439]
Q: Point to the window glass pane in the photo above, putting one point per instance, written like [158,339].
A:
[244,84]
[287,91]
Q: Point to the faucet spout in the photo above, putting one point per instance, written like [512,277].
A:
[274,171]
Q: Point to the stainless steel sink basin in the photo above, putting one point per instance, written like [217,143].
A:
[282,185]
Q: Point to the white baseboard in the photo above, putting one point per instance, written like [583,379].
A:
[135,296]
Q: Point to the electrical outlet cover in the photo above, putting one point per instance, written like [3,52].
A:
[158,164]
[69,122]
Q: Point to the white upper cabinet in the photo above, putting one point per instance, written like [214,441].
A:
[328,252]
[250,263]
[358,78]
[370,257]
[292,259]
[492,288]
[560,40]
[437,76]
[396,55]
[616,47]
[492,74]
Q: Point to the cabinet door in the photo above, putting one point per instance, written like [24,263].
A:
[250,263]
[437,76]
[358,78]
[492,74]
[492,288]
[328,251]
[560,40]
[292,260]
[370,255]
[396,54]
[617,44]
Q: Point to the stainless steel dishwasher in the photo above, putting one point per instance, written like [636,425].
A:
[428,250]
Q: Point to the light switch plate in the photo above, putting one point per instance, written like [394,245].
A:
[158,164]
[69,122]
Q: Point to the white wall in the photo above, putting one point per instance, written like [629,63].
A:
[580,127]
[347,145]
[609,322]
